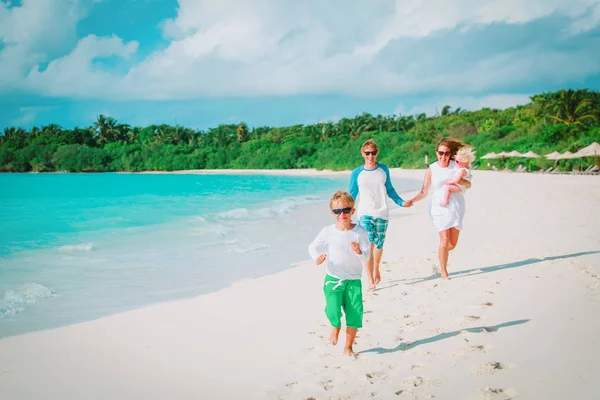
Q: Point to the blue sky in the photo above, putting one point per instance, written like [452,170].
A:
[199,63]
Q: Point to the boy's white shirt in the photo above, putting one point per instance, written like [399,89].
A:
[342,262]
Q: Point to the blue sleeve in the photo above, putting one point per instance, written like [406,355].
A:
[391,192]
[354,182]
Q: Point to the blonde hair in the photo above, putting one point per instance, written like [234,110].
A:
[466,154]
[344,196]
[369,143]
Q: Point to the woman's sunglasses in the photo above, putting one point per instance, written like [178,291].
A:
[370,153]
[443,153]
[338,211]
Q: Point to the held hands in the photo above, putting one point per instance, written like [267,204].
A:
[356,247]
[320,259]
[407,203]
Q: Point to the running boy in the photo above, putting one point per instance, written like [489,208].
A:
[345,246]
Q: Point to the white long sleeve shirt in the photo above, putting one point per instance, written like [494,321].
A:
[342,262]
[373,186]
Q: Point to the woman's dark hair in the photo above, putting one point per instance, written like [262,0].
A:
[451,143]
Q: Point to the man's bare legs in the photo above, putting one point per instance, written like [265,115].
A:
[374,261]
[333,336]
[448,189]
[350,335]
[448,241]
[377,253]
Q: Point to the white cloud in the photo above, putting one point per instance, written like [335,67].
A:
[268,47]
[29,115]
[434,106]
[36,32]
[57,79]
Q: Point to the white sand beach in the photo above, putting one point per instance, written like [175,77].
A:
[520,318]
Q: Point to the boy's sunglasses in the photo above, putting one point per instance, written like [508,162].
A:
[370,153]
[443,153]
[338,211]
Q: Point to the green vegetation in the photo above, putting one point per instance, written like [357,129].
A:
[564,120]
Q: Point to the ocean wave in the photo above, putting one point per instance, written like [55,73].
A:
[76,248]
[275,209]
[248,249]
[16,301]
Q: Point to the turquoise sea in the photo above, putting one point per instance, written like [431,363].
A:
[75,247]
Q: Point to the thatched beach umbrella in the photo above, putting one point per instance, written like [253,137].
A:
[502,154]
[514,153]
[592,150]
[555,155]
[530,154]
[490,156]
[566,155]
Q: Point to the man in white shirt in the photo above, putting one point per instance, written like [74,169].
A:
[372,184]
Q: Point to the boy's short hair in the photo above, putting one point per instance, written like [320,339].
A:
[466,153]
[369,143]
[343,196]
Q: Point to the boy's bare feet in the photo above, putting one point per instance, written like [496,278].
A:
[350,353]
[333,337]
[445,277]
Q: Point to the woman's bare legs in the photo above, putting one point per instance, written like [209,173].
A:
[454,233]
[448,241]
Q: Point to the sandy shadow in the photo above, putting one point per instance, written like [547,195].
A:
[442,336]
[493,268]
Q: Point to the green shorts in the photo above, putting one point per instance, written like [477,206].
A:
[343,295]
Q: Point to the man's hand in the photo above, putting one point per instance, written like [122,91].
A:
[407,203]
[320,259]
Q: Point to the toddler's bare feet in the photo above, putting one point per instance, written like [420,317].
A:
[333,337]
[443,203]
[350,353]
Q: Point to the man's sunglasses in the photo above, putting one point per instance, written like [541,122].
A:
[338,211]
[370,153]
[443,153]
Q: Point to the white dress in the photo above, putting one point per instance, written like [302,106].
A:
[445,217]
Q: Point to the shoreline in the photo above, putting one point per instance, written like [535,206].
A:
[421,337]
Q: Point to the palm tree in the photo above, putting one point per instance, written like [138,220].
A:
[105,129]
[572,109]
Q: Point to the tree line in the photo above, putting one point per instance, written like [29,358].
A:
[564,120]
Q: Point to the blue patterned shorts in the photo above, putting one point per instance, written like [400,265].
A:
[375,227]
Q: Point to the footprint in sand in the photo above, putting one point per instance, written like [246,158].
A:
[417,381]
[490,368]
[487,304]
[480,348]
[328,385]
[374,377]
[490,393]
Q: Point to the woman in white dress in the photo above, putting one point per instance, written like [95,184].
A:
[447,220]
